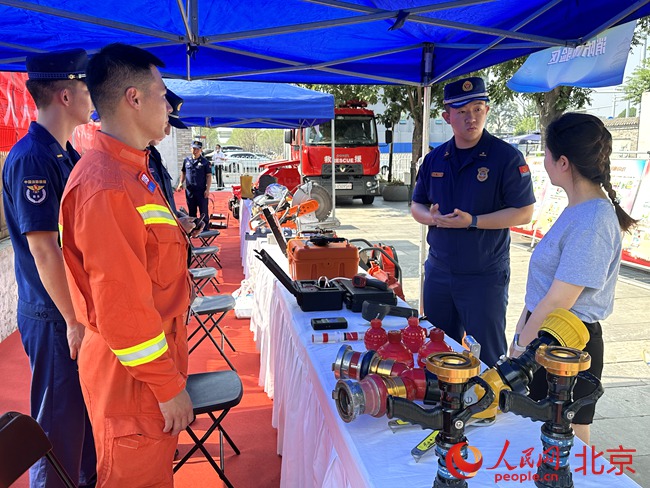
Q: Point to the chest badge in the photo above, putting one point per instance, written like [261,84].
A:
[482,174]
[35,191]
[149,185]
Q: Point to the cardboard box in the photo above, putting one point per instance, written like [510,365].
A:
[309,262]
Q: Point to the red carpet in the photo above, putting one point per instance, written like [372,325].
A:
[248,424]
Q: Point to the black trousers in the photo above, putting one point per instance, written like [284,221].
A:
[196,201]
[218,174]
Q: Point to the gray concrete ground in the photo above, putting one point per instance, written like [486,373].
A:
[622,414]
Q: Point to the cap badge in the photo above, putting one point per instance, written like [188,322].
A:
[482,174]
[467,86]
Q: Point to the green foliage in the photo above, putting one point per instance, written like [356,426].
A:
[525,125]
[503,118]
[623,113]
[259,140]
[638,83]
[343,93]
[548,105]
[211,137]
[396,183]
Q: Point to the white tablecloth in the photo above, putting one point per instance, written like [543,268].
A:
[319,449]
[245,209]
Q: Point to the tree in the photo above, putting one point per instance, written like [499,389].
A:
[637,83]
[343,93]
[549,105]
[258,140]
[503,118]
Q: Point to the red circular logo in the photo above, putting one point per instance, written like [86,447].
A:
[458,466]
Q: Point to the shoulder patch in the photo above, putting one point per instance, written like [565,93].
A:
[35,189]
[524,170]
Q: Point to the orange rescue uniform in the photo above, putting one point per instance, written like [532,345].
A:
[125,258]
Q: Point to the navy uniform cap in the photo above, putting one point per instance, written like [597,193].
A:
[57,65]
[175,101]
[461,92]
[197,144]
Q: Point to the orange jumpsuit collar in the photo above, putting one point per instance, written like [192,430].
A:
[123,152]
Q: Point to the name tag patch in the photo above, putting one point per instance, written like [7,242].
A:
[437,174]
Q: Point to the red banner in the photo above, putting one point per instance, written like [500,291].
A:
[17,109]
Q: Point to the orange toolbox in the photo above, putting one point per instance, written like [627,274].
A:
[308,261]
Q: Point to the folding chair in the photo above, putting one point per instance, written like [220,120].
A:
[201,277]
[207,237]
[209,311]
[22,443]
[201,256]
[211,392]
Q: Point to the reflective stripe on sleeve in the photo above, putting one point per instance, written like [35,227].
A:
[142,353]
[156,214]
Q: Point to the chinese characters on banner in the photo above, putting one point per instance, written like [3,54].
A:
[630,179]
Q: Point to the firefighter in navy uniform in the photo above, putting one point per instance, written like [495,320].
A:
[197,176]
[470,191]
[33,179]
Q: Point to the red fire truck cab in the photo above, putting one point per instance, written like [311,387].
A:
[356,152]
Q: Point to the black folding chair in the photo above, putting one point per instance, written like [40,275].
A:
[201,256]
[212,392]
[209,311]
[207,237]
[201,277]
[22,443]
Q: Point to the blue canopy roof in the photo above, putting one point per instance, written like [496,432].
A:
[415,42]
[251,105]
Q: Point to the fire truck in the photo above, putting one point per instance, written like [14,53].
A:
[309,169]
[356,152]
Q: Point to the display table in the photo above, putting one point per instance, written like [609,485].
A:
[319,449]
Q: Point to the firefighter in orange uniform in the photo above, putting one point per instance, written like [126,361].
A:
[125,263]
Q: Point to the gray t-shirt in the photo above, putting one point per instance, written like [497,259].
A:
[583,248]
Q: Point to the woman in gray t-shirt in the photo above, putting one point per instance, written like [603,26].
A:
[575,265]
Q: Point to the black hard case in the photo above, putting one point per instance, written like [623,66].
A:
[354,297]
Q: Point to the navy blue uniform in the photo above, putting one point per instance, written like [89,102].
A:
[33,178]
[196,179]
[161,176]
[468,270]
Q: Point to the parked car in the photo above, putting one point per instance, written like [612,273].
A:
[241,161]
[227,149]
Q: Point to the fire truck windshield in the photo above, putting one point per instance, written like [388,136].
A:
[350,131]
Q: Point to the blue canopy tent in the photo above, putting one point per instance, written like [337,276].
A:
[415,42]
[410,42]
[251,105]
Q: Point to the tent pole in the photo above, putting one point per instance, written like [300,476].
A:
[426,102]
[333,146]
